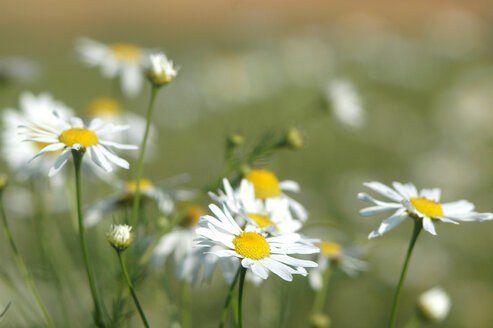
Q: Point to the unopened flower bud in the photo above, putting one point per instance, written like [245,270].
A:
[294,139]
[120,236]
[235,140]
[161,70]
[434,304]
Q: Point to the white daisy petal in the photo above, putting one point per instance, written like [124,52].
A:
[429,226]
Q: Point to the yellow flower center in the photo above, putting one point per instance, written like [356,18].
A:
[261,220]
[145,185]
[194,213]
[126,52]
[81,136]
[265,183]
[427,207]
[104,107]
[251,245]
[330,249]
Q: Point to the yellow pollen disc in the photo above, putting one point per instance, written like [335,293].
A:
[145,185]
[427,207]
[194,213]
[104,107]
[81,136]
[265,183]
[330,249]
[261,220]
[126,52]
[251,245]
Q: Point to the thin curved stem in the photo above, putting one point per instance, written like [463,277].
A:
[140,163]
[77,155]
[186,305]
[132,291]
[418,225]
[240,297]
[224,315]
[23,269]
[321,296]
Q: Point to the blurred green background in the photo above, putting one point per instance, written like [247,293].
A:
[422,70]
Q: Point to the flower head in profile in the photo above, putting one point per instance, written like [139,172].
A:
[120,236]
[32,108]
[406,201]
[268,189]
[335,255]
[434,304]
[161,70]
[74,136]
[115,60]
[258,253]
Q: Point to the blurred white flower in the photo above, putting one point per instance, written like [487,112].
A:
[434,304]
[335,255]
[423,205]
[33,108]
[268,189]
[258,253]
[74,136]
[17,69]
[346,103]
[120,236]
[161,70]
[124,197]
[115,60]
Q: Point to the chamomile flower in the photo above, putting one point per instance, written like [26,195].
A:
[270,216]
[74,136]
[258,253]
[115,60]
[110,111]
[335,255]
[123,198]
[120,236]
[268,189]
[424,205]
[161,70]
[346,103]
[32,108]
[434,304]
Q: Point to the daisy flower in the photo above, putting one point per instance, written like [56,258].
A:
[258,253]
[434,304]
[268,189]
[110,111]
[123,198]
[32,108]
[270,216]
[406,201]
[120,236]
[161,70]
[335,255]
[115,60]
[74,136]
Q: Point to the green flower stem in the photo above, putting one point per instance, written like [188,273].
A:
[240,297]
[186,305]
[140,163]
[77,155]
[23,269]
[321,295]
[224,315]
[132,291]
[418,225]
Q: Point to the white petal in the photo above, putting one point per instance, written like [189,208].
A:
[383,190]
[429,226]
[60,162]
[389,224]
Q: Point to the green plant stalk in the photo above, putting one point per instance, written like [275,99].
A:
[321,295]
[240,297]
[23,269]
[77,155]
[418,225]
[131,288]
[186,305]
[140,164]
[224,314]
